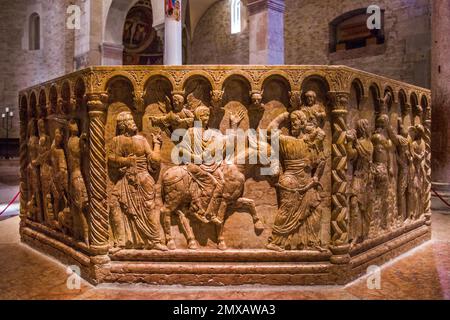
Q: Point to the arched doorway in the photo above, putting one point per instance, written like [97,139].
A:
[142,46]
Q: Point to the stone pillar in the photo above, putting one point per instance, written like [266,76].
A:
[99,222]
[440,87]
[266,26]
[112,54]
[339,212]
[173,40]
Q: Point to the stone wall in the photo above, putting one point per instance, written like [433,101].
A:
[20,67]
[405,56]
[213,42]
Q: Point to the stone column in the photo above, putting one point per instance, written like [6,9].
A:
[173,40]
[99,222]
[440,87]
[339,212]
[266,26]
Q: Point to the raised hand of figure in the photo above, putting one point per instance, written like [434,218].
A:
[321,135]
[236,118]
[351,135]
[168,101]
[157,138]
[385,119]
[387,98]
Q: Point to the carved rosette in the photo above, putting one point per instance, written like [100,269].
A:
[99,222]
[339,214]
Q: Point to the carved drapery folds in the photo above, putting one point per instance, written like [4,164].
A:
[309,169]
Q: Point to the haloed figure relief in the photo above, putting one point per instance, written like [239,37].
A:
[131,161]
[78,197]
[360,153]
[297,222]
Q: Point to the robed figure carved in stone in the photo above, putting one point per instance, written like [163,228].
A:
[131,160]
[297,222]
[34,196]
[360,153]
[78,193]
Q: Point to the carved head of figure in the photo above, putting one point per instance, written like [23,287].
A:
[216,98]
[202,114]
[32,128]
[41,128]
[58,138]
[419,132]
[193,102]
[382,122]
[73,128]
[363,128]
[178,102]
[295,99]
[126,124]
[298,122]
[310,98]
[256,97]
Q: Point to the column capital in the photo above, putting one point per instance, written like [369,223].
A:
[256,6]
[97,101]
[339,101]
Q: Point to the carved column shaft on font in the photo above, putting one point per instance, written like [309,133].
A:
[99,222]
[339,211]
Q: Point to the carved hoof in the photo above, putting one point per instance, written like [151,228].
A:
[171,245]
[222,246]
[160,247]
[273,247]
[259,226]
[192,245]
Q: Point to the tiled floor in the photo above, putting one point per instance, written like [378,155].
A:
[423,273]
